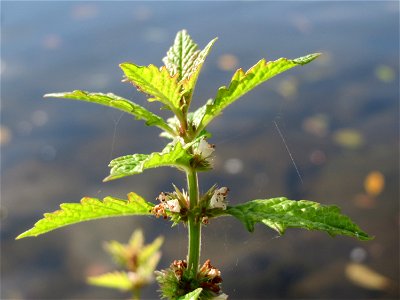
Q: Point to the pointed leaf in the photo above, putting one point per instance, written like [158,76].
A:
[127,165]
[150,250]
[181,55]
[136,241]
[155,82]
[194,295]
[117,102]
[118,252]
[189,81]
[114,280]
[186,61]
[243,82]
[89,209]
[281,213]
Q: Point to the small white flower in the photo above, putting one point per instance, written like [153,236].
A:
[173,205]
[205,149]
[218,199]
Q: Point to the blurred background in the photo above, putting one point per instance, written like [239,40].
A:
[338,116]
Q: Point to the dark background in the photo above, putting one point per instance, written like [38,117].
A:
[338,115]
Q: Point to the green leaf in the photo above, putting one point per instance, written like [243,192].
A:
[281,213]
[197,116]
[190,78]
[181,55]
[175,156]
[117,102]
[243,82]
[118,252]
[115,280]
[156,82]
[149,251]
[194,295]
[184,60]
[89,209]
[146,256]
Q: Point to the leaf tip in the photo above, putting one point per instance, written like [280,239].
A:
[24,235]
[19,236]
[362,236]
[52,95]
[306,59]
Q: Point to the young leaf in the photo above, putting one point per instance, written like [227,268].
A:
[127,165]
[186,61]
[89,209]
[155,82]
[117,102]
[281,213]
[189,81]
[194,295]
[145,255]
[114,280]
[243,82]
[181,55]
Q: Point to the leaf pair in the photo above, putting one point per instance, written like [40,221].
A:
[276,213]
[172,84]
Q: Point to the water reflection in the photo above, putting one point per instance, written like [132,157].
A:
[339,118]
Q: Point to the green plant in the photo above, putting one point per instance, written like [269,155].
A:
[138,260]
[189,152]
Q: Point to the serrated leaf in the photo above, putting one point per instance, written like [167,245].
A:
[115,280]
[128,165]
[117,102]
[194,295]
[181,55]
[189,80]
[281,213]
[156,82]
[89,209]
[185,60]
[242,82]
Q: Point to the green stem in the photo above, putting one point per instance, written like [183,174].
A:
[194,226]
[136,294]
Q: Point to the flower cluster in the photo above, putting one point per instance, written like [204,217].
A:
[210,277]
[203,155]
[175,282]
[212,203]
[175,205]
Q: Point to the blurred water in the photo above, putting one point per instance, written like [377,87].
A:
[339,117]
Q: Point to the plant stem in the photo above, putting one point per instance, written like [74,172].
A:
[194,226]
[136,294]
